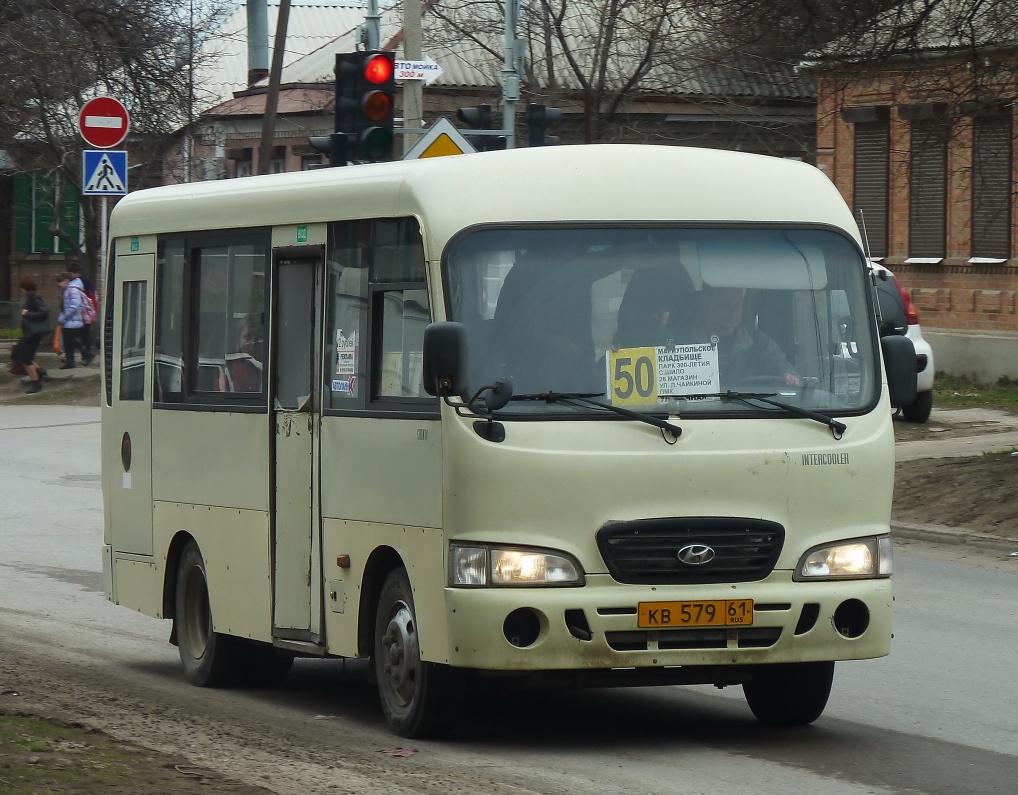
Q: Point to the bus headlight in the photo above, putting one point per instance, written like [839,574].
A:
[861,558]
[495,566]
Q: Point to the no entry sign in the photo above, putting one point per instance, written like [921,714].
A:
[103,122]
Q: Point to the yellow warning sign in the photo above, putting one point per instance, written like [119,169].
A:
[441,146]
[440,140]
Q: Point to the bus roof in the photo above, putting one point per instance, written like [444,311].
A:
[596,183]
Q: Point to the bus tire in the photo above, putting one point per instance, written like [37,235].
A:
[792,694]
[207,657]
[419,698]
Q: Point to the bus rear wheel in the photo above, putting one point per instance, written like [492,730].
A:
[208,657]
[419,698]
[793,694]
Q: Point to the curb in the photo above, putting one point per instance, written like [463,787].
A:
[942,534]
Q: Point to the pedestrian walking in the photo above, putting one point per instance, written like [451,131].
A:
[34,326]
[71,321]
[89,288]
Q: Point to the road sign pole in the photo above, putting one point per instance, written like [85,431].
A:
[102,246]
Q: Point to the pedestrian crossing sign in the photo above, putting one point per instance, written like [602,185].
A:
[104,173]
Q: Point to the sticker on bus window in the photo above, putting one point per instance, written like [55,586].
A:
[641,376]
[345,382]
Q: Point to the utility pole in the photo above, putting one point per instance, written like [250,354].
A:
[371,31]
[413,90]
[511,73]
[272,94]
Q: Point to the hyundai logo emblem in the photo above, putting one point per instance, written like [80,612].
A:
[695,554]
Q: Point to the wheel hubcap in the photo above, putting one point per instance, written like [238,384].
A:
[400,655]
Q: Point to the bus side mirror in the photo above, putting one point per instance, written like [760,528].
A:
[445,359]
[900,364]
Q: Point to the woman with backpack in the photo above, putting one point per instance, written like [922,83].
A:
[34,326]
[72,319]
[89,289]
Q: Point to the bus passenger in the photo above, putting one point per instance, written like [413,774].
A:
[244,369]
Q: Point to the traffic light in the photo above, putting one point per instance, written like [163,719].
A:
[476,118]
[479,118]
[365,93]
[539,119]
[332,146]
[378,91]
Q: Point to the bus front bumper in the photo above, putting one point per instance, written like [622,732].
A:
[597,627]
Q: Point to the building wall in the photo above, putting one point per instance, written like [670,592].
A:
[954,294]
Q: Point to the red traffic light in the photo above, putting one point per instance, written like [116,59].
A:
[378,69]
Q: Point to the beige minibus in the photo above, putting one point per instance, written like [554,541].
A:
[592,415]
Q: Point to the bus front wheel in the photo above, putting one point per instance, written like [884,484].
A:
[208,657]
[419,698]
[792,694]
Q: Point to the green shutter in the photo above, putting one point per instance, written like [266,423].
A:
[23,213]
[43,199]
[69,217]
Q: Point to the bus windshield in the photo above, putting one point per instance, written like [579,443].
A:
[667,319]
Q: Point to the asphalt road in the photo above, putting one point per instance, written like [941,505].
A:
[939,716]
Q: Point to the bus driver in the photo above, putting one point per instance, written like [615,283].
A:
[743,352]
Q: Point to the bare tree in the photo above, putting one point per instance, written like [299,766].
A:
[594,53]
[57,54]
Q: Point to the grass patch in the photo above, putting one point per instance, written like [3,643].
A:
[48,757]
[37,757]
[953,392]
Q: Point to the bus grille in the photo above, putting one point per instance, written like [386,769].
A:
[690,550]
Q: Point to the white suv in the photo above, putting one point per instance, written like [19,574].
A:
[898,315]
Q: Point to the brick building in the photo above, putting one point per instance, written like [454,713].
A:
[922,145]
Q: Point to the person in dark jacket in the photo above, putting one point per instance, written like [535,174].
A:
[34,326]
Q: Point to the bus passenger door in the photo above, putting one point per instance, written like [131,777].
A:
[130,484]
[297,580]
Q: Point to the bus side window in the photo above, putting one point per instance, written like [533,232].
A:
[405,315]
[170,323]
[133,305]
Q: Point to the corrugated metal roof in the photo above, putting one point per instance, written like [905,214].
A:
[223,65]
[916,27]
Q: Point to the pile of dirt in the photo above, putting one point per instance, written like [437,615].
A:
[975,492]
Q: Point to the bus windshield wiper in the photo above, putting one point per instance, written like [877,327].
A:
[585,399]
[837,428]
